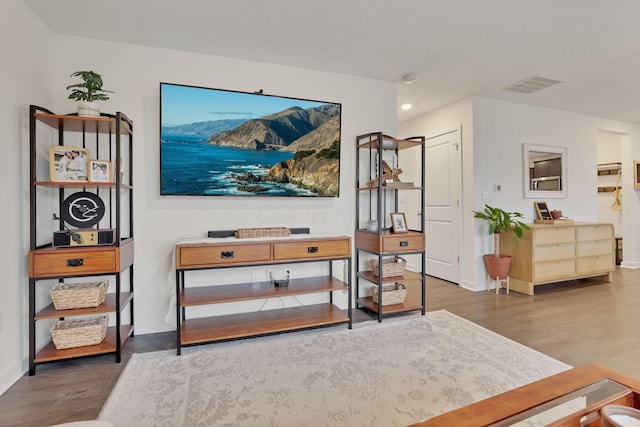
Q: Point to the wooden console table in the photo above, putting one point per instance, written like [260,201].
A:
[233,252]
[591,386]
[549,253]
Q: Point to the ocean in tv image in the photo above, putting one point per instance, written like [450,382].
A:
[224,143]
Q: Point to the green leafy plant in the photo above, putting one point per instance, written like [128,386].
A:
[90,89]
[501,221]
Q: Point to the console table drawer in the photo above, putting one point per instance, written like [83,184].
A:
[554,252]
[403,243]
[309,249]
[594,264]
[554,269]
[602,247]
[595,232]
[553,235]
[213,255]
[72,263]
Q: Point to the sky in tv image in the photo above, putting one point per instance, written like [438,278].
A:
[219,142]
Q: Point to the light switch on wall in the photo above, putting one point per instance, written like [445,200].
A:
[497,188]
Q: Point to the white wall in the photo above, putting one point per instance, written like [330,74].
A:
[23,78]
[492,154]
[39,75]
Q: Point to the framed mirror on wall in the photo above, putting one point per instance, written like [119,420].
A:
[544,171]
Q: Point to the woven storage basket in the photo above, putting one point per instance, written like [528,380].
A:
[390,267]
[244,233]
[78,333]
[391,294]
[78,295]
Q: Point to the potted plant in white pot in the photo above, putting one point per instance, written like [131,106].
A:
[87,92]
[500,221]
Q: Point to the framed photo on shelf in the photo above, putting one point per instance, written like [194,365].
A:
[542,210]
[99,171]
[398,223]
[68,164]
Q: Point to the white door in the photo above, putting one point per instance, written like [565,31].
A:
[442,205]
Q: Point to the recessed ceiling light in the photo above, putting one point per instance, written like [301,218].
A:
[406,106]
[409,78]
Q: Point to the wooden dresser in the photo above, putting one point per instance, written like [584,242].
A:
[229,253]
[551,253]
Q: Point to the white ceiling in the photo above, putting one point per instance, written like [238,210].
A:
[456,48]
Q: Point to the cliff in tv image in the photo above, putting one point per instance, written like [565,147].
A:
[312,134]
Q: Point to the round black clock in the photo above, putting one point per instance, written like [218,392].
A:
[82,209]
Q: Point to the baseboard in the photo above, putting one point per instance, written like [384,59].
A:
[152,328]
[630,264]
[10,376]
[470,286]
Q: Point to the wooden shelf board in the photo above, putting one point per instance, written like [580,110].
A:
[80,123]
[407,305]
[390,142]
[408,275]
[388,188]
[108,306]
[49,353]
[209,329]
[81,184]
[250,291]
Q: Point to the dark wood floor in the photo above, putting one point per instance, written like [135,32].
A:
[575,322]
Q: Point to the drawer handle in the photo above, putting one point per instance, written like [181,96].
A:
[404,244]
[226,254]
[312,250]
[75,262]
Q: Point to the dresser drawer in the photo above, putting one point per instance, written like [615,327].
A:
[595,232]
[309,249]
[554,252]
[598,247]
[554,270]
[594,264]
[62,262]
[407,243]
[550,235]
[198,256]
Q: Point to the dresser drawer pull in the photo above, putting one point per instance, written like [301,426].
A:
[312,250]
[75,262]
[404,244]
[226,254]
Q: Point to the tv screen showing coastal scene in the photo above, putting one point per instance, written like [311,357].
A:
[218,142]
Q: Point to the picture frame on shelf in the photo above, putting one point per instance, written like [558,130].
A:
[636,174]
[68,164]
[398,223]
[542,211]
[99,171]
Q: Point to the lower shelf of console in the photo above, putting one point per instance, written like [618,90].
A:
[210,329]
[50,353]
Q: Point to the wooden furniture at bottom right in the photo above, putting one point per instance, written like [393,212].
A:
[549,253]
[572,398]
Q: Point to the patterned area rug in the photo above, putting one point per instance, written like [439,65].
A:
[394,373]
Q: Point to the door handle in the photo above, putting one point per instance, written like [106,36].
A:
[226,254]
[312,250]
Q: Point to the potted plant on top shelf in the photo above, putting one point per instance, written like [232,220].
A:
[500,221]
[87,92]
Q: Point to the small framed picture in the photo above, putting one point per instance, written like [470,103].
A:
[542,210]
[398,223]
[68,163]
[99,171]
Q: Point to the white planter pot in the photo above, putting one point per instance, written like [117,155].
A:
[88,109]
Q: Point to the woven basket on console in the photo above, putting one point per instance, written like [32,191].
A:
[78,333]
[78,295]
[244,233]
[390,267]
[391,294]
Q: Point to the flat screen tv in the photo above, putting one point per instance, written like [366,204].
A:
[216,142]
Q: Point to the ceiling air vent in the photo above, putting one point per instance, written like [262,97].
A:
[532,84]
